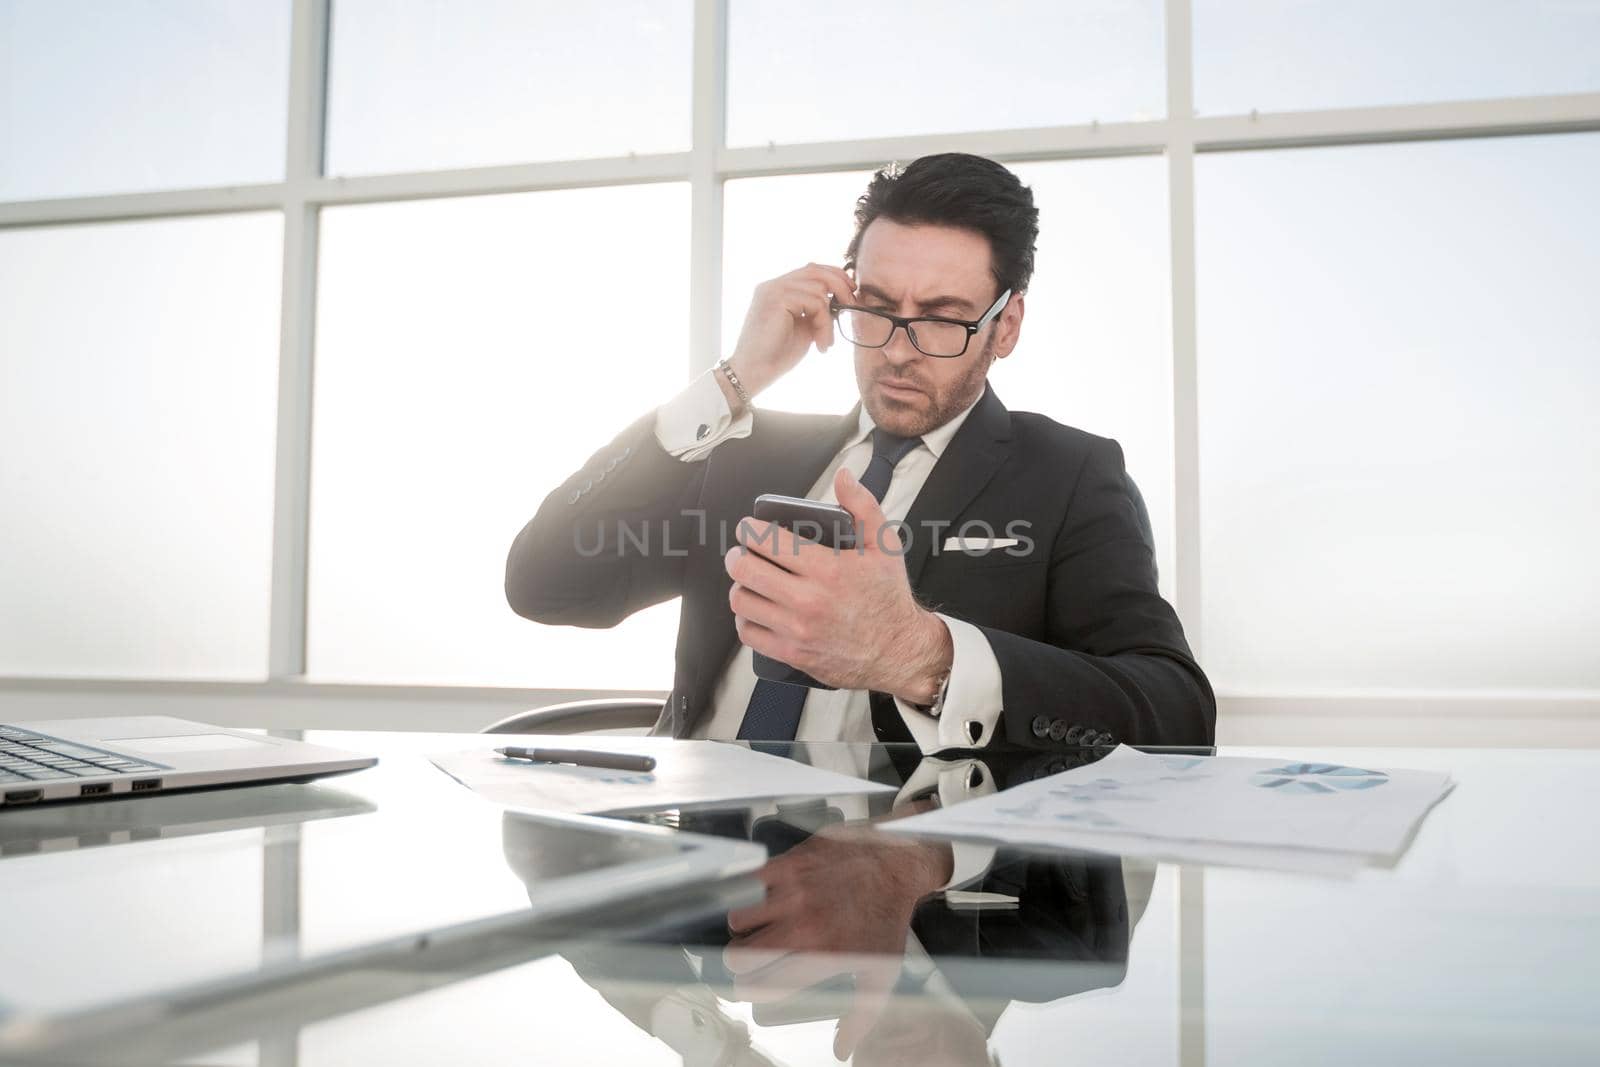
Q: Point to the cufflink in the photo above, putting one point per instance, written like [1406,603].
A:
[700,434]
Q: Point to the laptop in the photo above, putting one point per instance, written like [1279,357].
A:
[79,759]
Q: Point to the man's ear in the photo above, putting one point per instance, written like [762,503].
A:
[1008,327]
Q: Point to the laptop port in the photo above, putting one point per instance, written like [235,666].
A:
[94,789]
[141,784]
[23,796]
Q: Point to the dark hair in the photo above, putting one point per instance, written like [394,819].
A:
[961,190]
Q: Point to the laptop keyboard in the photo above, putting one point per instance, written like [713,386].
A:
[26,756]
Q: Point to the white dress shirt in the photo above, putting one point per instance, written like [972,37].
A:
[690,427]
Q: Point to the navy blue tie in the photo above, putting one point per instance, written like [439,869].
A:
[773,713]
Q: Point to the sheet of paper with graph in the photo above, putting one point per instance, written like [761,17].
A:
[1209,808]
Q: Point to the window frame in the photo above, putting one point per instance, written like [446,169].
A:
[1178,136]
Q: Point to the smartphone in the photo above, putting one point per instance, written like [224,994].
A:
[828,524]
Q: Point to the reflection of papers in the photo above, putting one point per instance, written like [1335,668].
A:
[687,773]
[1316,817]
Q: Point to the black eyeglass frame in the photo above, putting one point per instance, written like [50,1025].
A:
[902,323]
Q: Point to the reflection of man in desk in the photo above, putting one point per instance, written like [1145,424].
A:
[932,999]
[853,927]
[1007,585]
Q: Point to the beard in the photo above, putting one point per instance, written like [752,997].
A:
[937,405]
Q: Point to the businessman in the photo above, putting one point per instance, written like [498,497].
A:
[1003,583]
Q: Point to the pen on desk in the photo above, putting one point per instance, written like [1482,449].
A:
[616,761]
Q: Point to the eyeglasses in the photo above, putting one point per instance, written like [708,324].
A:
[931,335]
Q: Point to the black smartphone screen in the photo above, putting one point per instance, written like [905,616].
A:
[828,524]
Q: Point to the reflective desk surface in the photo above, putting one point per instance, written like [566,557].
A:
[1481,945]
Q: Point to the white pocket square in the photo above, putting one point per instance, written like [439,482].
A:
[977,544]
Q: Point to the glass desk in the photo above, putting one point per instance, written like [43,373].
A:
[1481,945]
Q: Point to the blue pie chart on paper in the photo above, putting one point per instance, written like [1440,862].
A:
[1318,778]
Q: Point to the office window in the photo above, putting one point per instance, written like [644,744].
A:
[104,96]
[435,85]
[1274,56]
[471,354]
[837,70]
[138,385]
[1096,348]
[1399,356]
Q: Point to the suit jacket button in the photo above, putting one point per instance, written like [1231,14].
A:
[1040,724]
[1058,729]
[1078,735]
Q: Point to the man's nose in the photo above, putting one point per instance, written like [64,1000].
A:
[900,351]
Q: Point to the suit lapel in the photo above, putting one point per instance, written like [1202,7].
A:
[971,459]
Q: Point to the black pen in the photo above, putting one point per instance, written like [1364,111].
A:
[615,761]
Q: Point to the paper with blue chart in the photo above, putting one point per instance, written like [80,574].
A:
[1223,809]
[687,773]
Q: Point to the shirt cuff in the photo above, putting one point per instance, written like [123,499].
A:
[698,419]
[966,713]
[955,781]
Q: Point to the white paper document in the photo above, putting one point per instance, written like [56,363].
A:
[1316,817]
[686,773]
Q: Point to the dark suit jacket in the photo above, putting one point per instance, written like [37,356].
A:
[1087,647]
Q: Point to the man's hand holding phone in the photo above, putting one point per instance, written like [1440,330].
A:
[787,315]
[847,617]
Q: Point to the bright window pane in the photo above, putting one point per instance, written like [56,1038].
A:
[433,85]
[1096,348]
[107,96]
[138,386]
[470,355]
[1400,354]
[1274,56]
[1096,340]
[775,225]
[840,69]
